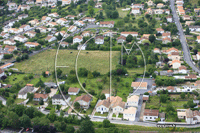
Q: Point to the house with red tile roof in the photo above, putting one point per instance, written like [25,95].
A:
[31,44]
[175,64]
[109,24]
[38,96]
[77,39]
[150,115]
[139,85]
[73,91]
[182,69]
[84,101]
[134,34]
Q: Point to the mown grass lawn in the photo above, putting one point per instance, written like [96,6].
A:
[35,80]
[91,60]
[120,115]
[17,100]
[99,114]
[122,14]
[114,115]
[176,104]
[34,104]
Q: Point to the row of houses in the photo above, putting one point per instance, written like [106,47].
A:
[173,54]
[117,106]
[190,117]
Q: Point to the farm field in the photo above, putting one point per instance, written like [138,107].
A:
[91,60]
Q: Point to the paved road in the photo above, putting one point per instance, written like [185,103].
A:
[185,48]
[147,124]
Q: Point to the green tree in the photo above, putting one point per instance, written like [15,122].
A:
[89,76]
[182,95]
[43,121]
[43,74]
[106,123]
[129,38]
[83,72]
[115,14]
[91,10]
[58,107]
[52,115]
[163,98]
[154,75]
[86,127]
[120,23]
[60,126]
[59,37]
[30,96]
[70,129]
[188,95]
[76,105]
[47,90]
[13,119]
[152,38]
[170,108]
[195,93]
[40,83]
[41,102]
[59,72]
[187,31]
[191,104]
[30,112]
[18,59]
[10,101]
[102,96]
[25,121]
[62,113]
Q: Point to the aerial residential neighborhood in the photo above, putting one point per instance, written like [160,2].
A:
[99,66]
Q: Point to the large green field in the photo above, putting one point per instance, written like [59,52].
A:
[91,60]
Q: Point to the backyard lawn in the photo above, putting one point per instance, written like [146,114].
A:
[120,115]
[154,103]
[122,14]
[176,104]
[17,100]
[33,103]
[36,78]
[16,78]
[99,114]
[114,115]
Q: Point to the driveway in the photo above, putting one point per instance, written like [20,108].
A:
[53,92]
[137,117]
